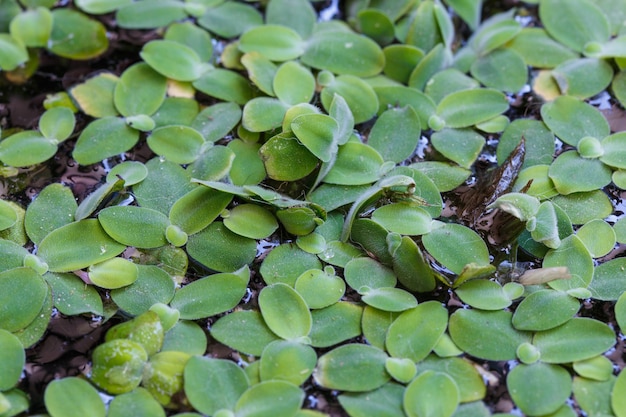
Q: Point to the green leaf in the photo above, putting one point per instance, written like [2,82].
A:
[410,266]
[376,25]
[538,49]
[468,107]
[396,133]
[356,164]
[469,380]
[270,398]
[263,113]
[544,310]
[104,138]
[367,272]
[177,143]
[468,10]
[275,42]
[400,96]
[251,221]
[502,69]
[598,368]
[293,83]
[406,338]
[287,361]
[73,397]
[285,263]
[486,334]
[404,218]
[113,273]
[462,146]
[297,15]
[571,120]
[594,397]
[101,6]
[317,133]
[57,123]
[216,121]
[13,52]
[572,254]
[198,208]
[431,393]
[186,336]
[575,26]
[173,60]
[572,173]
[335,324]
[225,85]
[608,282]
[384,401]
[211,295]
[483,294]
[155,14]
[261,71]
[213,384]
[134,226]
[192,36]
[614,150]
[445,176]
[32,27]
[140,90]
[139,402]
[95,95]
[400,60]
[358,95]
[54,207]
[583,78]
[320,289]
[598,236]
[12,359]
[586,206]
[286,159]
[358,55]
[352,367]
[118,365]
[153,285]
[243,330]
[78,245]
[221,250]
[71,296]
[278,300]
[551,386]
[617,401]
[230,19]
[25,148]
[76,36]
[456,246]
[563,344]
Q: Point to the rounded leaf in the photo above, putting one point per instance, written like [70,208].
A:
[134,226]
[286,159]
[459,145]
[486,334]
[545,309]
[415,332]
[113,273]
[367,272]
[571,120]
[293,83]
[551,386]
[572,254]
[278,301]
[76,36]
[139,91]
[270,399]
[118,365]
[12,359]
[483,294]
[395,134]
[26,148]
[221,250]
[598,236]
[383,401]
[13,52]
[57,123]
[153,285]
[225,85]
[335,324]
[431,393]
[287,361]
[251,221]
[317,133]
[319,288]
[73,397]
[173,60]
[243,330]
[356,164]
[104,138]
[352,367]
[502,69]
[211,295]
[455,246]
[177,143]
[468,107]
[275,42]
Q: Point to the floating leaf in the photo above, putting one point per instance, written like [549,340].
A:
[12,360]
[104,138]
[285,263]
[502,69]
[211,295]
[118,365]
[559,19]
[598,236]
[468,107]
[173,60]
[153,285]
[572,254]
[410,266]
[13,52]
[459,145]
[358,95]
[155,14]
[320,288]
[400,60]
[26,148]
[213,384]
[431,393]
[617,402]
[483,294]
[356,164]
[60,399]
[544,309]
[486,334]
[279,300]
[299,15]
[383,401]
[352,367]
[230,19]
[400,96]
[54,207]
[140,402]
[608,281]
[571,173]
[139,91]
[367,272]
[113,273]
[177,143]
[395,134]
[293,83]
[225,85]
[287,361]
[78,245]
[403,218]
[251,221]
[275,42]
[359,55]
[583,78]
[243,330]
[538,49]
[571,120]
[409,336]
[558,346]
[551,386]
[95,95]
[275,398]
[76,36]
[221,250]
[335,324]
[456,246]
[317,133]
[134,226]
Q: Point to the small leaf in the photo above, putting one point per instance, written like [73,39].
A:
[225,85]
[275,398]
[468,107]
[572,254]
[76,36]
[286,159]
[502,69]
[319,289]
[297,15]
[617,401]
[155,14]
[287,361]
[431,393]
[211,295]
[221,250]
[140,402]
[173,60]
[358,95]
[230,19]
[118,365]
[544,309]
[352,367]
[293,83]
[459,145]
[113,273]
[404,218]
[406,338]
[243,330]
[598,236]
[275,42]
[26,148]
[551,386]
[153,285]
[251,221]
[395,134]
[483,294]
[12,359]
[285,263]
[317,133]
[571,120]
[556,345]
[78,245]
[104,138]
[383,401]
[216,121]
[95,95]
[13,52]
[571,173]
[140,90]
[134,226]
[335,324]
[538,49]
[456,246]
[280,300]
[73,397]
[356,164]
[583,78]
[608,280]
